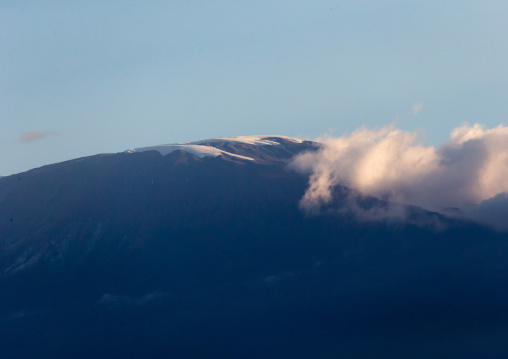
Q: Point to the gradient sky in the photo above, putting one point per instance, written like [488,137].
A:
[79,78]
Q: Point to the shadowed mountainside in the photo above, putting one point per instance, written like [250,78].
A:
[144,255]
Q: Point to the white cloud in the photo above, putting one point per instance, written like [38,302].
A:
[392,164]
[417,107]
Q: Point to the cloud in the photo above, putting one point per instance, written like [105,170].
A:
[31,136]
[417,107]
[493,212]
[463,175]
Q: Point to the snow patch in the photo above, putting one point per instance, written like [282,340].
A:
[250,140]
[196,150]
[202,149]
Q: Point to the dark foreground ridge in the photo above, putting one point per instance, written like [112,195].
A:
[141,255]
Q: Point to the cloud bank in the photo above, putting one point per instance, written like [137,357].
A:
[467,175]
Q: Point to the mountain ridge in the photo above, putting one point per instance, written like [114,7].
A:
[239,147]
[143,254]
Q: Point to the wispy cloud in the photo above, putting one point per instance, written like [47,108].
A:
[112,300]
[32,136]
[417,107]
[464,175]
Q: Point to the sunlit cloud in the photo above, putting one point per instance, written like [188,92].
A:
[463,175]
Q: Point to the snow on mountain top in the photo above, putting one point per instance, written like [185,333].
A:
[250,140]
[197,150]
[201,149]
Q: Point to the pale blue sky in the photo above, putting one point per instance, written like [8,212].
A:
[103,76]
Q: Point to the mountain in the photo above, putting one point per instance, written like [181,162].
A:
[200,250]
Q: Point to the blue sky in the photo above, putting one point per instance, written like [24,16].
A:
[79,78]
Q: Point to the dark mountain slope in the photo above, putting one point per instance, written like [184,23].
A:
[143,255]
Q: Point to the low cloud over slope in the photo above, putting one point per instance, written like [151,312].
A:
[466,175]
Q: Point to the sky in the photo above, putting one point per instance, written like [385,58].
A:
[78,78]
